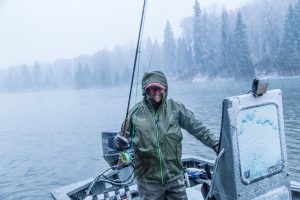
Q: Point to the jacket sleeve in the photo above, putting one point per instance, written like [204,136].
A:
[189,122]
[128,121]
[128,131]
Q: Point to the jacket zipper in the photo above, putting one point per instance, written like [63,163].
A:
[159,150]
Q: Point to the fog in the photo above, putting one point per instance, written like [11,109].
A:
[52,29]
[257,39]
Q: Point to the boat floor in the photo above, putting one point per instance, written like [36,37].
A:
[193,193]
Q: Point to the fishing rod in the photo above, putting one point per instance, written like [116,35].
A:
[134,65]
[107,179]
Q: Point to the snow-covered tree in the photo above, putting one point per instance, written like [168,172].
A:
[241,58]
[289,54]
[197,36]
[169,49]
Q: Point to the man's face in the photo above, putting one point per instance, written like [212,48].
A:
[156,93]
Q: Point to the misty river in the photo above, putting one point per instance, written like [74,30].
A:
[49,139]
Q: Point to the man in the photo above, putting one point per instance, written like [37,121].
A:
[154,128]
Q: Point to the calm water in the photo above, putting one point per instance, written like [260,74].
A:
[51,139]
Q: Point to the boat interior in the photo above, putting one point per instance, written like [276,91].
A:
[251,162]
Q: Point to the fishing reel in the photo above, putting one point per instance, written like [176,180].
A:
[126,158]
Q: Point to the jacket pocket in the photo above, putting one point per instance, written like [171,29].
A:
[146,165]
[173,163]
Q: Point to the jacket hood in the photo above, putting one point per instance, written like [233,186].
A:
[153,77]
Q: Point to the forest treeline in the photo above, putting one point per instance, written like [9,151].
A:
[259,39]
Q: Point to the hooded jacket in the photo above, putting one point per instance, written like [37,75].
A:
[156,135]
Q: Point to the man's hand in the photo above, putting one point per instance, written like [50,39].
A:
[121,143]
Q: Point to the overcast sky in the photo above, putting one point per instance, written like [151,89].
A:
[46,30]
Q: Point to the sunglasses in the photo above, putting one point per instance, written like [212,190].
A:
[155,89]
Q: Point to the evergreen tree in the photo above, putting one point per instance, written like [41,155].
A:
[225,61]
[157,59]
[106,77]
[264,28]
[197,38]
[210,41]
[49,81]
[148,53]
[169,49]
[242,63]
[37,76]
[267,42]
[96,76]
[68,78]
[126,74]
[25,78]
[184,57]
[101,76]
[153,58]
[82,76]
[186,43]
[289,54]
[10,81]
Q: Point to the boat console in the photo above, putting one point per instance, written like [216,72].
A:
[254,164]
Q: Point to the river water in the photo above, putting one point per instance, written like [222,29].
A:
[51,139]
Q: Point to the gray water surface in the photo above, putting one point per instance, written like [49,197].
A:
[51,139]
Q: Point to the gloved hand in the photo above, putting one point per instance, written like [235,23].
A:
[216,148]
[121,143]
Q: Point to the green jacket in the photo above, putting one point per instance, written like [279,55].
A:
[156,138]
